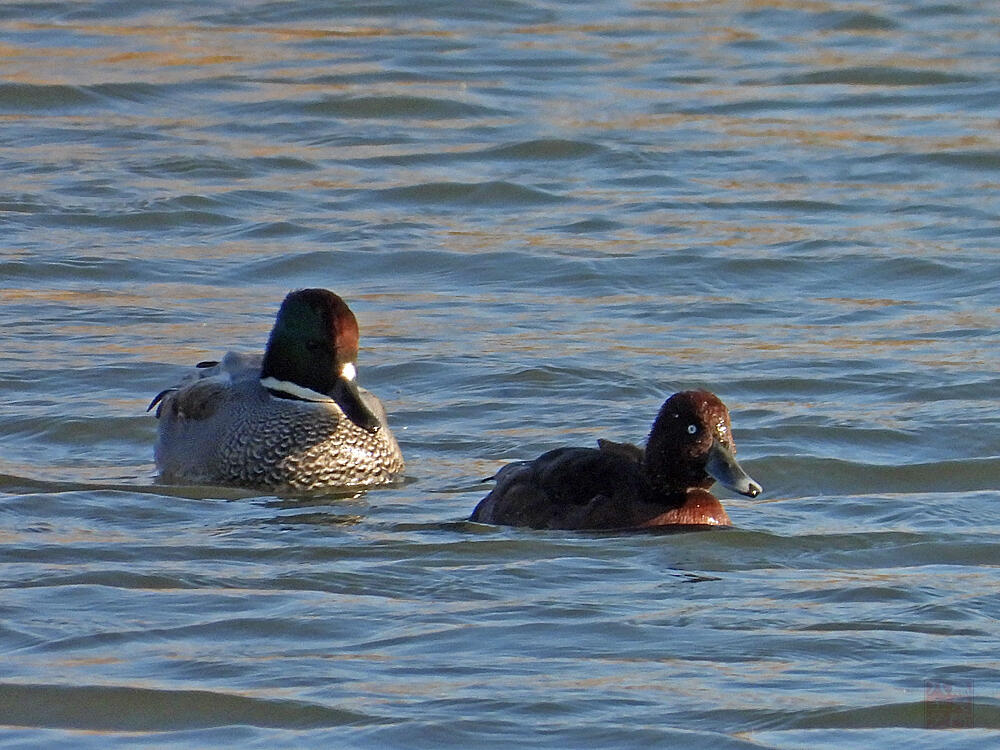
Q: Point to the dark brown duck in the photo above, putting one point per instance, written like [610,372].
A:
[622,486]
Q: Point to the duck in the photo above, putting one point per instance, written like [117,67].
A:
[292,419]
[625,486]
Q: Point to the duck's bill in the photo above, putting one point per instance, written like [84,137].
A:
[348,398]
[723,467]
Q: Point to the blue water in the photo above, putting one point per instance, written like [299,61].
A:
[547,217]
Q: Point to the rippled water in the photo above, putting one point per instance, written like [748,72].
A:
[547,216]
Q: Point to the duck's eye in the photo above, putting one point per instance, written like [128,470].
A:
[692,429]
[314,345]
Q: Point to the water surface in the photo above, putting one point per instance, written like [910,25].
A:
[547,217]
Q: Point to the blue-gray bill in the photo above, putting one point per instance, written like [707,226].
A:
[723,467]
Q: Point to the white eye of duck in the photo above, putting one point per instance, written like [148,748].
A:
[692,429]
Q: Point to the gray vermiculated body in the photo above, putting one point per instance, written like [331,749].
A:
[222,427]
